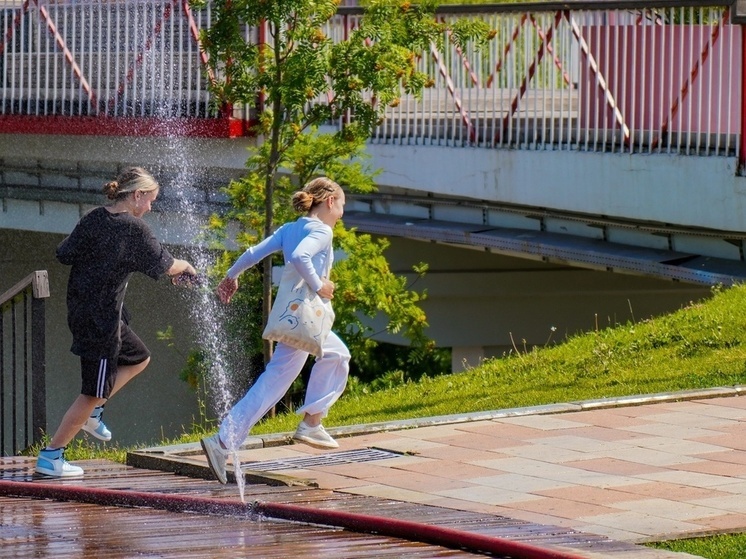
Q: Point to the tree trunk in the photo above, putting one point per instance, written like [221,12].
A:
[269,191]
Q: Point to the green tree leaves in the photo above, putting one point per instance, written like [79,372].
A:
[317,101]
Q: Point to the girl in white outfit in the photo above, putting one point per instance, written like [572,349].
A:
[306,244]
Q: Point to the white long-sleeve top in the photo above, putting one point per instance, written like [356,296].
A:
[306,243]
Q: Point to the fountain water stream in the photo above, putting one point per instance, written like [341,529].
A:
[207,312]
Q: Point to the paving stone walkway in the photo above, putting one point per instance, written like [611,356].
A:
[636,470]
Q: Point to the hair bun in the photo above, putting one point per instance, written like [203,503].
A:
[110,189]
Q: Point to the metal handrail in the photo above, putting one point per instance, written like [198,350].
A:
[23,408]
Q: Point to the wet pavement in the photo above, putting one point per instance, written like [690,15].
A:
[120,512]
[633,470]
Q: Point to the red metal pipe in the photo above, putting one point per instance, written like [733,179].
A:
[413,531]
[550,50]
[506,49]
[403,529]
[195,32]
[546,40]
[113,497]
[742,131]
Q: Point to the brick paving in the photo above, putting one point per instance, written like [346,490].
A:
[669,466]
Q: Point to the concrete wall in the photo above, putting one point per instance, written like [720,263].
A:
[189,154]
[478,301]
[693,191]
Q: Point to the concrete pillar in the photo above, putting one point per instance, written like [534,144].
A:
[466,357]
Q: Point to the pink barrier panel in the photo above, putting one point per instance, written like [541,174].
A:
[648,70]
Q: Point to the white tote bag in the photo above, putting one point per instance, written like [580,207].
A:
[299,317]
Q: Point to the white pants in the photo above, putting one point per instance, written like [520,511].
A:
[325,385]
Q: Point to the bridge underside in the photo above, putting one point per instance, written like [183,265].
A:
[558,248]
[39,192]
[49,199]
[50,210]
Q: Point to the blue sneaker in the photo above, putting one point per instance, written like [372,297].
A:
[95,426]
[51,462]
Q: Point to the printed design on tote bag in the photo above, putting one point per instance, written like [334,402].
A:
[313,321]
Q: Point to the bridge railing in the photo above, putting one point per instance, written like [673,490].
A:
[629,76]
[131,58]
[625,77]
[23,411]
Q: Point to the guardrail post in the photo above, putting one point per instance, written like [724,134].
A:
[40,292]
[742,131]
[26,388]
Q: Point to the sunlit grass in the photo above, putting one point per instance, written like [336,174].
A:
[701,346]
[727,546]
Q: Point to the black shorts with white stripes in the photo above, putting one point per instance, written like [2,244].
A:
[99,374]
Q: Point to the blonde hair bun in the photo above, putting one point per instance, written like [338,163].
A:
[314,192]
[130,180]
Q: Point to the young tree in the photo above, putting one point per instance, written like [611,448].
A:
[301,82]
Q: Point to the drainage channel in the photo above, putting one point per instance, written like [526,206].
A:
[328,459]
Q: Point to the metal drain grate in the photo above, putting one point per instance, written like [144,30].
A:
[330,459]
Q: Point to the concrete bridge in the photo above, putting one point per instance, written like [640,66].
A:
[567,180]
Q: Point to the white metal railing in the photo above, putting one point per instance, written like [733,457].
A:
[635,78]
[114,58]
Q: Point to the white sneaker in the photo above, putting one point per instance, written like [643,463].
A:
[95,426]
[53,463]
[314,436]
[216,456]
